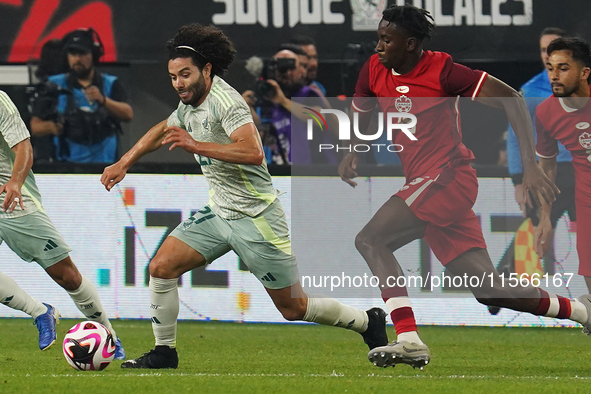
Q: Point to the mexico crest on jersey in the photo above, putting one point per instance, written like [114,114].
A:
[585,140]
[403,104]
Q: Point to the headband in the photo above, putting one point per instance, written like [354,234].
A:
[192,49]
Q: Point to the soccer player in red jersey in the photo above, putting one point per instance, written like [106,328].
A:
[436,202]
[566,117]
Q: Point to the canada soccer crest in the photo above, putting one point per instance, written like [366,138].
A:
[585,140]
[403,104]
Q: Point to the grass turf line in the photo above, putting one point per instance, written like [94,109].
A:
[234,357]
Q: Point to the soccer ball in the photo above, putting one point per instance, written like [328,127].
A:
[89,346]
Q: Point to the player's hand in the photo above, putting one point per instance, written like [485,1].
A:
[13,196]
[522,199]
[93,93]
[542,236]
[112,175]
[179,138]
[347,169]
[540,186]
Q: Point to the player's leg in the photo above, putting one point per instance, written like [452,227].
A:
[173,258]
[33,237]
[51,252]
[264,246]
[192,244]
[393,226]
[83,293]
[45,315]
[496,291]
[295,304]
[425,206]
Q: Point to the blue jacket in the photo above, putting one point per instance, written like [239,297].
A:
[102,152]
[535,91]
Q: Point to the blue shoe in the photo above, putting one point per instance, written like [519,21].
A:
[46,325]
[119,351]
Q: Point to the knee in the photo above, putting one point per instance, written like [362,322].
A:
[296,310]
[364,242]
[65,274]
[158,268]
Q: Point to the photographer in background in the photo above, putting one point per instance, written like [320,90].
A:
[87,126]
[308,45]
[43,96]
[274,106]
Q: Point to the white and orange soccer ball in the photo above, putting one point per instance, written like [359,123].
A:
[89,346]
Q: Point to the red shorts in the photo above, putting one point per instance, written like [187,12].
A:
[444,199]
[584,239]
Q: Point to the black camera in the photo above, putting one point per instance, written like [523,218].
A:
[270,69]
[43,100]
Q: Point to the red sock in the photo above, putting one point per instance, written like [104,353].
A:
[552,305]
[398,304]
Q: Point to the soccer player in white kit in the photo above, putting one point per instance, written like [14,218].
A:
[214,123]
[29,233]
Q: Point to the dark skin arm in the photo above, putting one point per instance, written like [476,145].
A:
[348,165]
[496,93]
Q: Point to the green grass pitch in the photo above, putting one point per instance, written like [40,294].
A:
[284,358]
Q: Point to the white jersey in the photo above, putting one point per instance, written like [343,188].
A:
[13,131]
[235,190]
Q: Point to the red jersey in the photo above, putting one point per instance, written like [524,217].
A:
[556,121]
[433,81]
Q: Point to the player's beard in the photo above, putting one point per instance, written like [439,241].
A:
[197,90]
[565,91]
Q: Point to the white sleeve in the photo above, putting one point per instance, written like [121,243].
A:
[12,127]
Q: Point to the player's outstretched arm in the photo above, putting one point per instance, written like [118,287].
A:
[23,161]
[246,146]
[500,95]
[151,141]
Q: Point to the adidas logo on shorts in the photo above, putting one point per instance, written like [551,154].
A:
[50,245]
[269,278]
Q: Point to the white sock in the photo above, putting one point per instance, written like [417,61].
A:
[14,297]
[330,312]
[164,308]
[403,302]
[410,336]
[87,301]
[578,311]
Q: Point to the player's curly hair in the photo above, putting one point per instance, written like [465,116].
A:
[580,49]
[206,44]
[412,19]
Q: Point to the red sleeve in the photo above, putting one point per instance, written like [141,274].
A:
[360,102]
[459,80]
[546,146]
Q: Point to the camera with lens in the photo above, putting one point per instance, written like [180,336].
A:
[271,67]
[43,100]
